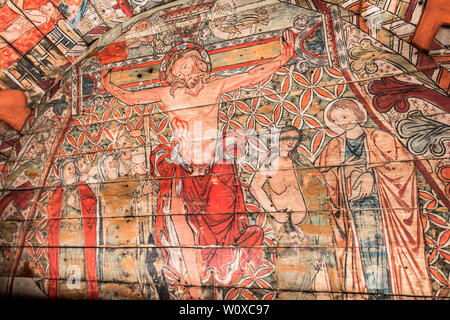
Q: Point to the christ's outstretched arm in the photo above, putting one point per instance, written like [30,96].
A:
[129,97]
[263,71]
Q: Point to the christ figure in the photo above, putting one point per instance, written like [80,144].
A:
[203,196]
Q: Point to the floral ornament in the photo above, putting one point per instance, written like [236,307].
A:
[436,220]
[83,126]
[390,92]
[259,278]
[424,134]
[437,240]
[249,109]
[231,100]
[262,91]
[439,247]
[365,56]
[37,233]
[158,128]
[429,198]
[443,173]
[439,252]
[443,280]
[311,87]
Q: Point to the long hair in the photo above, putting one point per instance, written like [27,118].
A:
[293,154]
[275,152]
[202,67]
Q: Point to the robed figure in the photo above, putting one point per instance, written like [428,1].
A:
[72,237]
[372,187]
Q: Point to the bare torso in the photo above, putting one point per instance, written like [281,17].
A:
[194,121]
[284,189]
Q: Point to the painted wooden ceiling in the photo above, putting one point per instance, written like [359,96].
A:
[40,39]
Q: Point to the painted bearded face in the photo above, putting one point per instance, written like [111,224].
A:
[187,72]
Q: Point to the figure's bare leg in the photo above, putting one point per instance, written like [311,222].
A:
[190,254]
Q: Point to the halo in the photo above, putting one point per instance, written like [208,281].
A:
[331,124]
[181,46]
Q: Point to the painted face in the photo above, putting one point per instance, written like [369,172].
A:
[344,118]
[47,9]
[111,164]
[225,6]
[83,165]
[69,173]
[186,70]
[98,101]
[288,141]
[142,25]
[40,149]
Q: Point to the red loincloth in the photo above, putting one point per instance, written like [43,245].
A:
[215,209]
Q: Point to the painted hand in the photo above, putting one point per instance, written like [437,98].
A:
[180,129]
[288,42]
[105,72]
[296,236]
[366,182]
[352,162]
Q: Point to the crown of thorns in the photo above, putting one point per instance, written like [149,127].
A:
[175,53]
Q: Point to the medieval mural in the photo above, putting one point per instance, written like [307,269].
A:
[225,149]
